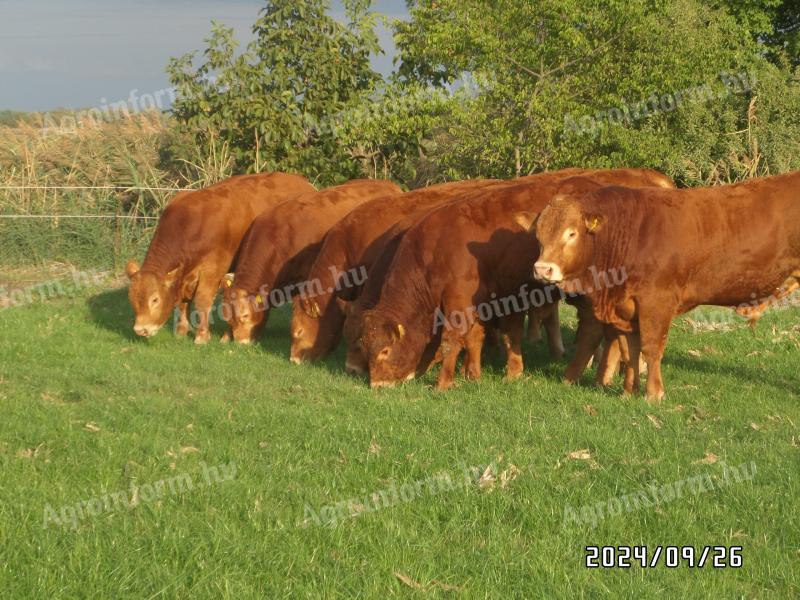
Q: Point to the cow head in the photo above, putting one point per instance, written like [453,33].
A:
[392,351]
[356,360]
[152,296]
[567,237]
[315,330]
[245,313]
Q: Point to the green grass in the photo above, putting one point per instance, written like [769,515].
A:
[89,409]
[86,242]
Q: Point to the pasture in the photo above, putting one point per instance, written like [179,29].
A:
[240,475]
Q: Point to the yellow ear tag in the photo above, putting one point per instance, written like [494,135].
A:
[594,224]
[259,299]
[228,283]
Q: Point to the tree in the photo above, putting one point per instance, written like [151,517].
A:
[276,105]
[666,84]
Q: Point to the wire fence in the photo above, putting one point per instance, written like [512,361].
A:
[40,224]
[123,188]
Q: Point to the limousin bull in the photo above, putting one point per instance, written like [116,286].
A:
[280,247]
[484,258]
[721,246]
[195,245]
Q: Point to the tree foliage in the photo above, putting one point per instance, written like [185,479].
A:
[558,82]
[276,104]
[706,91]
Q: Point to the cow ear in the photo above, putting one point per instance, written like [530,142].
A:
[172,277]
[344,305]
[594,223]
[131,269]
[525,219]
[310,307]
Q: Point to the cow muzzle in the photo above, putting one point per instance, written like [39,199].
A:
[146,330]
[547,271]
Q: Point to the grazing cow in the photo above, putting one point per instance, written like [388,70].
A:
[350,247]
[356,361]
[679,249]
[279,248]
[462,265]
[195,244]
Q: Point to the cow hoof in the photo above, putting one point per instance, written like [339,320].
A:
[202,339]
[654,398]
[226,337]
[443,386]
[182,331]
[514,372]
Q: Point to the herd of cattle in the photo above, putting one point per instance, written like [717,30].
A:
[413,279]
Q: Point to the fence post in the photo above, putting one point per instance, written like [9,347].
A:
[117,235]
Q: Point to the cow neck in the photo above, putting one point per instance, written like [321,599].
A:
[254,272]
[409,300]
[371,291]
[612,252]
[162,256]
[331,256]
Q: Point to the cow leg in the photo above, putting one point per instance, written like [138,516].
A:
[552,325]
[512,326]
[203,301]
[451,347]
[609,363]
[630,356]
[475,338]
[590,333]
[653,332]
[534,326]
[182,328]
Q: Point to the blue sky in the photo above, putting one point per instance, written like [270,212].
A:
[84,53]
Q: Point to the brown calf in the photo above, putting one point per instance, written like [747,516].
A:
[352,246]
[279,249]
[195,244]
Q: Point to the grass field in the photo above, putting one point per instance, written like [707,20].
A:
[90,411]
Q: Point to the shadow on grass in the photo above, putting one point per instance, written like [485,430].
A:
[538,362]
[112,312]
[276,340]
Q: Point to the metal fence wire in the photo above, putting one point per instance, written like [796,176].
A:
[44,224]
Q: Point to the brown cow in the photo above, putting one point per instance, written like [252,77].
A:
[280,247]
[195,244]
[356,361]
[466,263]
[352,246]
[679,249]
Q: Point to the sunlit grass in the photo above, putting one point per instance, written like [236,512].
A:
[90,410]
